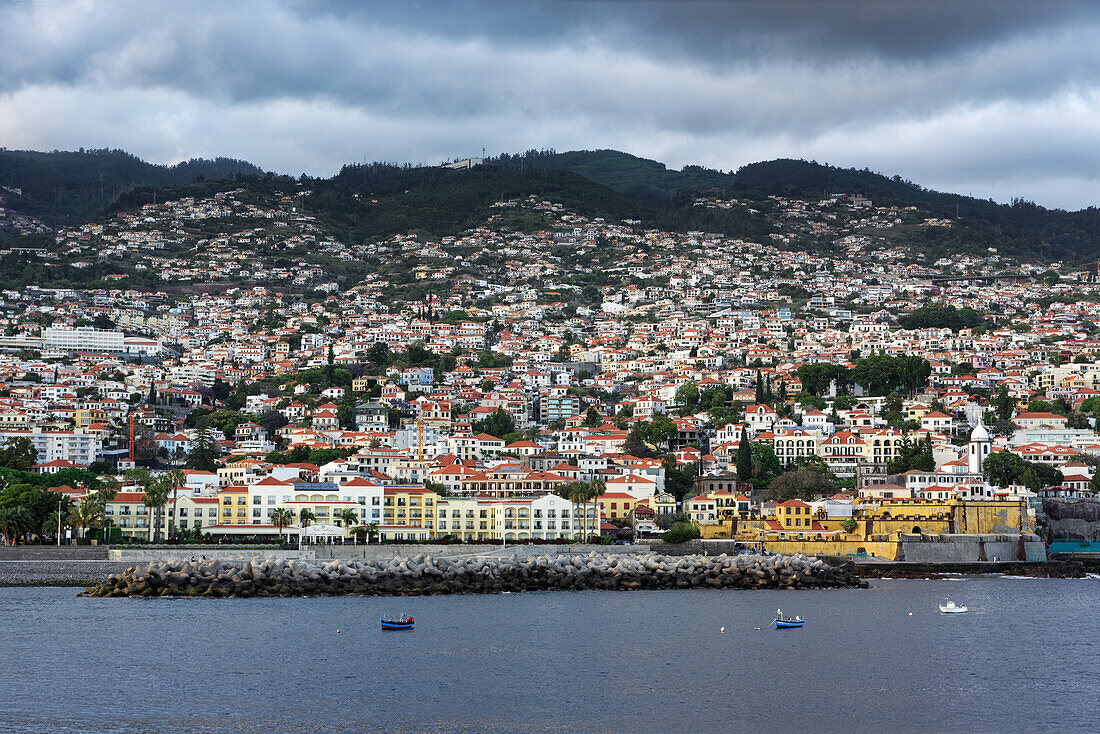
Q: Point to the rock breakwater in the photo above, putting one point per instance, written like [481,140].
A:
[423,574]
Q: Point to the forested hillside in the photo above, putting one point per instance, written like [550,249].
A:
[66,187]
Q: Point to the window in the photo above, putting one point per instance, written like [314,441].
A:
[256,512]
[257,500]
[212,512]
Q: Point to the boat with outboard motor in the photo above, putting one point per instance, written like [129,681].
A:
[398,622]
[782,622]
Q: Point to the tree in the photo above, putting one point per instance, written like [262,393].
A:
[174,480]
[305,517]
[372,530]
[765,464]
[744,457]
[280,518]
[687,395]
[805,483]
[53,523]
[816,378]
[592,418]
[154,497]
[940,316]
[348,517]
[15,521]
[1003,403]
[1003,468]
[86,515]
[681,532]
[204,453]
[19,453]
[499,423]
[915,455]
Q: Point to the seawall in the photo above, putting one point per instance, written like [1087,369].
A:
[425,575]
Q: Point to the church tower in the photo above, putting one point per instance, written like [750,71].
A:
[979,448]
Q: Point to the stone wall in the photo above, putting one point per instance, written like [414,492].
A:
[375,552]
[424,574]
[179,555]
[53,553]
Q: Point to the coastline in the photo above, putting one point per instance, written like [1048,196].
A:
[83,573]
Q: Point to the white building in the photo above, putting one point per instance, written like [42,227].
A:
[84,339]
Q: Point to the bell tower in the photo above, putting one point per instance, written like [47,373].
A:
[979,448]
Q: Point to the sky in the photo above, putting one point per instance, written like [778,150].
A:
[993,99]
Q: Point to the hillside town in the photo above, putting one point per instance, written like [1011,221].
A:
[237,373]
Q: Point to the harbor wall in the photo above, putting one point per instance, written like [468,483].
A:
[53,553]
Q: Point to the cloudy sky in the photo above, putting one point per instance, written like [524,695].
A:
[995,99]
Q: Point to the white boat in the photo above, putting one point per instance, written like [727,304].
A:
[952,608]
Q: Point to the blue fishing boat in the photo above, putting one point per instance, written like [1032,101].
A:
[782,622]
[400,622]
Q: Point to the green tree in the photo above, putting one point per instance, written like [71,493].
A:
[15,521]
[499,423]
[174,480]
[687,395]
[913,455]
[204,453]
[592,418]
[280,518]
[805,483]
[349,518]
[305,517]
[372,530]
[19,453]
[1003,403]
[744,457]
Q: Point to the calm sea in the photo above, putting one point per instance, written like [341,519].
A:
[1024,660]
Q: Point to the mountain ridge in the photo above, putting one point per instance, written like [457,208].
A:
[376,200]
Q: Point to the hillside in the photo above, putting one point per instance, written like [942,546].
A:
[67,187]
[375,201]
[366,202]
[1022,229]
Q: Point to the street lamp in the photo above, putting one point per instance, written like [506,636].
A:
[59,523]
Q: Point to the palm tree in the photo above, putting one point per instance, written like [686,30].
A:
[578,495]
[596,490]
[372,530]
[174,480]
[349,517]
[280,518]
[14,522]
[305,517]
[154,497]
[86,514]
[53,524]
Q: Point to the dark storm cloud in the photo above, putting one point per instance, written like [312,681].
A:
[943,93]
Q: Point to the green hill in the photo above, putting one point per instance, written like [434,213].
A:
[1021,228]
[364,202]
[67,187]
[373,201]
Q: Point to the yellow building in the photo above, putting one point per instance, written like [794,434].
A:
[616,505]
[233,504]
[84,417]
[462,518]
[410,506]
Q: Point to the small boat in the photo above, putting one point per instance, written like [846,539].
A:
[782,622]
[399,622]
[952,608]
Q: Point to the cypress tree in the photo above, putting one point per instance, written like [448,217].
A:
[744,457]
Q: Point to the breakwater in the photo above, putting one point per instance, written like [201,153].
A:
[422,574]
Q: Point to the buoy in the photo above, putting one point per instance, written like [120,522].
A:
[337,631]
[723,630]
[910,614]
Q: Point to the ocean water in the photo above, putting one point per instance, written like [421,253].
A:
[1023,660]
